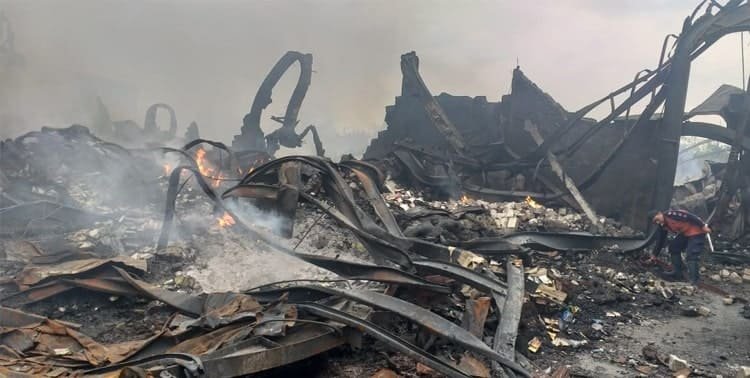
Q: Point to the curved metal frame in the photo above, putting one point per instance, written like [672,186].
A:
[262,99]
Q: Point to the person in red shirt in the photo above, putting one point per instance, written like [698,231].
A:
[690,237]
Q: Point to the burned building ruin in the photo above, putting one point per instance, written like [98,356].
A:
[473,238]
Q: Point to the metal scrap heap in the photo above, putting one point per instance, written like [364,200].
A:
[93,294]
[209,331]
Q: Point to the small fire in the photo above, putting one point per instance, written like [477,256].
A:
[530,201]
[226,220]
[206,169]
[200,159]
[465,199]
[167,169]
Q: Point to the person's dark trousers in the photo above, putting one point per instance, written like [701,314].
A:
[693,247]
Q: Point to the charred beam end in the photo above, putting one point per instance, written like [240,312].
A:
[505,335]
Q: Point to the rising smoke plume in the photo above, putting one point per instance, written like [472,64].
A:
[207,58]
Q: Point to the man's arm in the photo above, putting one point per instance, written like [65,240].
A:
[661,239]
[684,216]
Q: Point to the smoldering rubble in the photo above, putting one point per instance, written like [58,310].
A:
[473,238]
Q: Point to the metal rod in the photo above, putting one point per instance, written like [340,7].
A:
[742,52]
[315,223]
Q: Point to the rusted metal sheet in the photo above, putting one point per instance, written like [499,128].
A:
[425,318]
[183,302]
[378,273]
[12,318]
[475,314]
[389,339]
[255,191]
[189,364]
[34,274]
[259,353]
[47,290]
[47,217]
[461,274]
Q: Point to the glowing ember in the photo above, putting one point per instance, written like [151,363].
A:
[465,199]
[226,220]
[530,201]
[218,179]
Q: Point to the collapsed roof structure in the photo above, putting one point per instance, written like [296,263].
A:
[460,144]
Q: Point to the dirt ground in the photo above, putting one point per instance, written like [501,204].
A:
[716,344]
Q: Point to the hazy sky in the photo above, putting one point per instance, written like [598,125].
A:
[207,58]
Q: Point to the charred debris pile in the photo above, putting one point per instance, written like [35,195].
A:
[473,239]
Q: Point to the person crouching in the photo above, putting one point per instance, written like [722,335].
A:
[690,238]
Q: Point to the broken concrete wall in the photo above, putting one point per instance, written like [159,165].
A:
[477,119]
[527,101]
[494,133]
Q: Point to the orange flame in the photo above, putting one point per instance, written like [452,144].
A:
[226,220]
[200,159]
[465,199]
[530,201]
[206,169]
[167,169]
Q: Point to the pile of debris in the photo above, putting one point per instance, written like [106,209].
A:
[101,255]
[207,260]
[490,218]
[343,254]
